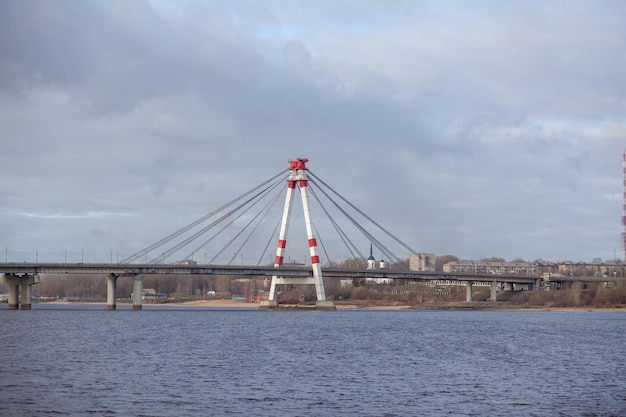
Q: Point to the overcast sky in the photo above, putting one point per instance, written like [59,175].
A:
[475,128]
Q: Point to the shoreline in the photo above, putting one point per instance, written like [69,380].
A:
[466,306]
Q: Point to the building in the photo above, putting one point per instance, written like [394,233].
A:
[480,267]
[150,294]
[371,261]
[371,264]
[422,262]
[592,269]
[185,262]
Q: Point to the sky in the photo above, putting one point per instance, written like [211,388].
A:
[476,129]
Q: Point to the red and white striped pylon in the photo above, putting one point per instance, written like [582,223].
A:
[298,178]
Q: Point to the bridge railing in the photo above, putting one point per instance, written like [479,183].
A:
[247,270]
[62,256]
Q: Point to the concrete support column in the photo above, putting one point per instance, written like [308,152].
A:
[325,305]
[494,286]
[272,295]
[14,286]
[468,291]
[20,287]
[25,296]
[111,291]
[137,291]
[272,301]
[268,304]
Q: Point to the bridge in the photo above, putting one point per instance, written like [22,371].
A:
[21,276]
[24,275]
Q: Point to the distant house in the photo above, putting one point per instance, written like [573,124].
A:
[495,268]
[150,294]
[185,262]
[422,262]
[261,295]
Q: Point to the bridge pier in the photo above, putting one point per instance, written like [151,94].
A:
[268,304]
[325,305]
[494,286]
[111,291]
[468,291]
[137,292]
[320,304]
[14,287]
[26,296]
[20,291]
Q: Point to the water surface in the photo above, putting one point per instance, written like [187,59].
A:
[85,360]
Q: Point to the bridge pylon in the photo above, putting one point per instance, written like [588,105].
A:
[298,179]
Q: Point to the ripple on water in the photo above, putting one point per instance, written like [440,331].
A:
[345,363]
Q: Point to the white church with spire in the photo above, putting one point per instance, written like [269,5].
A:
[371,264]
[371,261]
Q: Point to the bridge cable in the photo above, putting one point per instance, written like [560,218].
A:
[272,237]
[206,242]
[344,237]
[364,215]
[377,242]
[265,209]
[234,238]
[161,258]
[144,252]
[319,237]
[352,220]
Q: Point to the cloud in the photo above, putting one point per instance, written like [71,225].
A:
[66,216]
[613,197]
[483,130]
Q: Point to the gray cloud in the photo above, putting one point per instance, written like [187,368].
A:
[495,130]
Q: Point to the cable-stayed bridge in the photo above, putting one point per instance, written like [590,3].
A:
[250,223]
[246,223]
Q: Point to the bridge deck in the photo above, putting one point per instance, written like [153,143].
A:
[285,271]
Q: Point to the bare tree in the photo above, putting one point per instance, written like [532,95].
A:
[444,259]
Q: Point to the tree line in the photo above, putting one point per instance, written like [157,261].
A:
[179,286]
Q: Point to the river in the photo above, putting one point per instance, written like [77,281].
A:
[174,361]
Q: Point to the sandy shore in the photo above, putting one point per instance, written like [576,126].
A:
[214,303]
[425,306]
[196,303]
[244,304]
[220,303]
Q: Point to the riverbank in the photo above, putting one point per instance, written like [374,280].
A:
[214,303]
[506,306]
[217,303]
[364,304]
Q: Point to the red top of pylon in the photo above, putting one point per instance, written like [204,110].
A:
[299,163]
